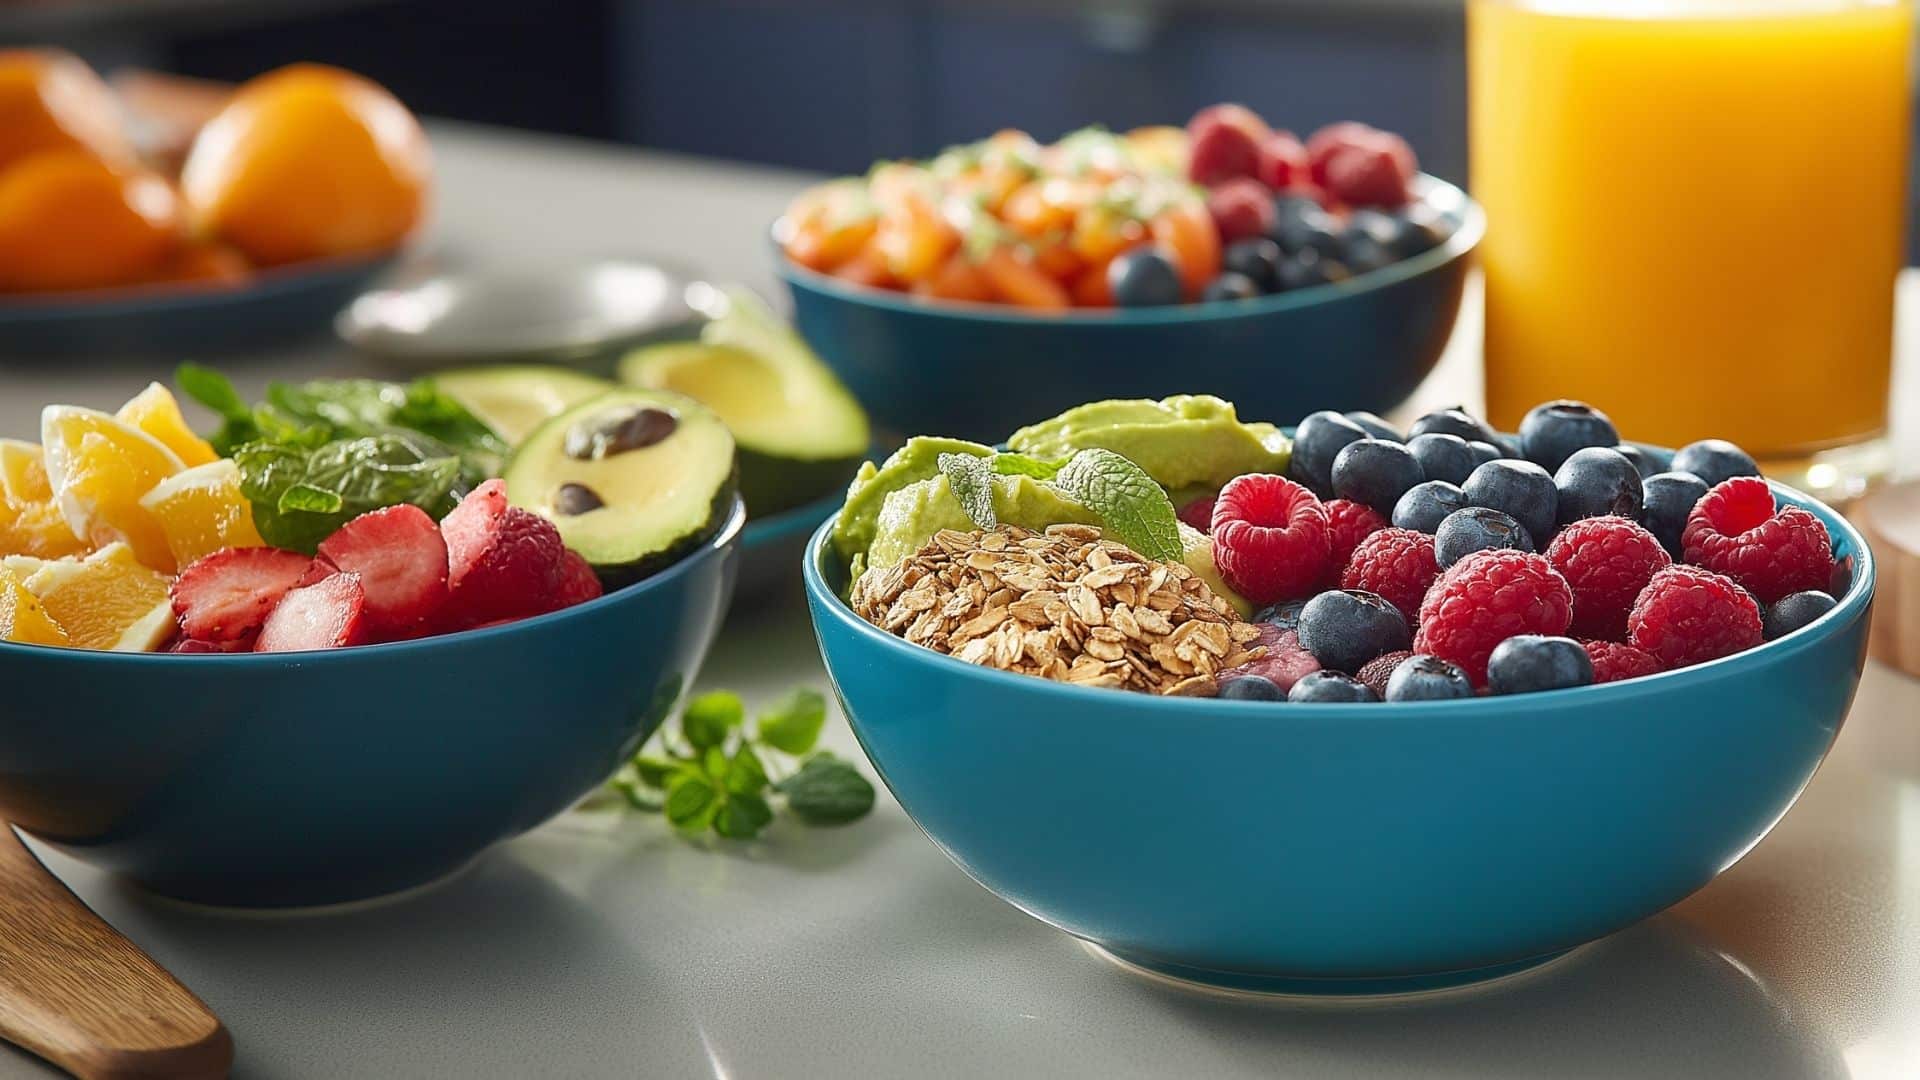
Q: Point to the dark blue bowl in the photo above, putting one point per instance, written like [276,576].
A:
[979,371]
[1347,848]
[311,778]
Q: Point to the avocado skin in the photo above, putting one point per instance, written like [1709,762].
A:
[619,576]
[772,484]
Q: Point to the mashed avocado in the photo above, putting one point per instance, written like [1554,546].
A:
[1186,442]
[911,515]
[918,460]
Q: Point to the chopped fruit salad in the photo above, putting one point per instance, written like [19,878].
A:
[339,513]
[1171,547]
[1227,209]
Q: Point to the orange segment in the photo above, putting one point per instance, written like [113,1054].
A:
[202,510]
[155,412]
[38,529]
[99,467]
[23,618]
[106,600]
[23,472]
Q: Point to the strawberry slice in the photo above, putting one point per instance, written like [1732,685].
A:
[328,615]
[195,645]
[578,582]
[227,595]
[503,562]
[402,562]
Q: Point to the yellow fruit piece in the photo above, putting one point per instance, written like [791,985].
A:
[202,511]
[38,529]
[106,600]
[23,474]
[155,412]
[23,618]
[98,468]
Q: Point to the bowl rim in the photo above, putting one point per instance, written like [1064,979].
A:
[150,297]
[1858,597]
[1473,226]
[714,545]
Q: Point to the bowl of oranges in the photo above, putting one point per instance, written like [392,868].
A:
[300,187]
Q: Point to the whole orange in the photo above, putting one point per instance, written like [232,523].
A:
[51,100]
[71,221]
[306,162]
[201,262]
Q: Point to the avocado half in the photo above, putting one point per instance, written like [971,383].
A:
[514,399]
[632,478]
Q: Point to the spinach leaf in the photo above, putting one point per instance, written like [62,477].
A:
[301,494]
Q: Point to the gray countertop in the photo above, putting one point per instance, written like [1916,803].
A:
[601,945]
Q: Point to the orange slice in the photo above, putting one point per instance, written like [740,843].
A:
[106,600]
[23,618]
[202,510]
[98,467]
[155,412]
[23,473]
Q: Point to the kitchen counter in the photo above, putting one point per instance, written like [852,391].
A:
[602,945]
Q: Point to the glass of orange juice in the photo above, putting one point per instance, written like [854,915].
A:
[1696,210]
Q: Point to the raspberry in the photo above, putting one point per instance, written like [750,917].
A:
[1242,208]
[1486,598]
[1398,564]
[1614,660]
[1270,538]
[1198,513]
[1687,615]
[1367,176]
[1280,161]
[1224,142]
[1284,663]
[1736,531]
[1378,670]
[1348,523]
[1606,561]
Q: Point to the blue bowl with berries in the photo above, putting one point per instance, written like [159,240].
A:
[979,370]
[1315,846]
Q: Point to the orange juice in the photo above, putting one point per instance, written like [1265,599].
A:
[1696,209]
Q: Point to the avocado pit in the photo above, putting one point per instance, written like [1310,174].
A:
[618,431]
[576,499]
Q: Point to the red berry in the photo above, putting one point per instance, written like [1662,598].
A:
[1329,140]
[328,615]
[503,562]
[226,596]
[1368,176]
[1241,208]
[402,562]
[1270,538]
[195,645]
[1224,142]
[1198,513]
[1397,564]
[1614,660]
[1284,662]
[1735,530]
[578,582]
[1348,523]
[1378,670]
[1687,615]
[1606,561]
[1281,161]
[1486,598]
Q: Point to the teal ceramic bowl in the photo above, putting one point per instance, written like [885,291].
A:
[979,371]
[1347,849]
[771,546]
[293,779]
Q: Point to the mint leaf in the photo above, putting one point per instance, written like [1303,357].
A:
[742,816]
[691,801]
[971,481]
[653,771]
[745,774]
[827,791]
[1022,465]
[212,389]
[794,725]
[715,762]
[1132,507]
[710,716]
[637,796]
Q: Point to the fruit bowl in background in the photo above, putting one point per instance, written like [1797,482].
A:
[1337,849]
[292,779]
[978,371]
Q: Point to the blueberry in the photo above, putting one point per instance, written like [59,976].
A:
[1597,480]
[1428,678]
[1715,461]
[1284,615]
[1666,500]
[1316,442]
[1796,610]
[1376,426]
[1250,688]
[1143,278]
[1375,472]
[1365,245]
[1484,452]
[1295,207]
[1230,286]
[1308,230]
[1454,421]
[1330,686]
[1421,228]
[1344,628]
[1257,259]
[1644,463]
[1509,447]
[1426,505]
[1445,457]
[1551,432]
[1529,662]
[1477,528]
[1305,269]
[1520,489]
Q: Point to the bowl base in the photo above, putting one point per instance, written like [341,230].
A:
[1323,990]
[304,898]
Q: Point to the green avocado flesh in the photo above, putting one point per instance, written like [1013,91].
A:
[632,478]
[513,399]
[918,460]
[800,432]
[910,516]
[1186,442]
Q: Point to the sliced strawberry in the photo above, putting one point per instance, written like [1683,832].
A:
[195,645]
[502,562]
[328,615]
[227,595]
[578,582]
[318,571]
[402,562]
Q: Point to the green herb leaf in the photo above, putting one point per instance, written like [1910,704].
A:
[337,482]
[1132,507]
[715,762]
[827,791]
[742,816]
[212,389]
[971,480]
[709,717]
[653,771]
[638,797]
[1022,465]
[310,499]
[794,725]
[691,801]
[745,774]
